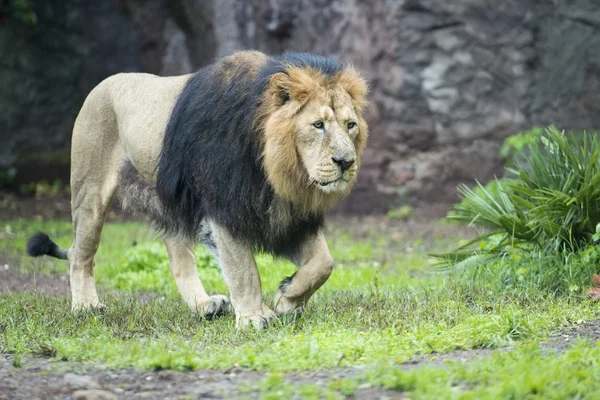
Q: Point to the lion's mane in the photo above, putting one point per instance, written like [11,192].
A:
[211,163]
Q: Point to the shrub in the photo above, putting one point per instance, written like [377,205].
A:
[513,151]
[20,10]
[550,205]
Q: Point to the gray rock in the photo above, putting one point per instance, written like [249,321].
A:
[75,381]
[94,394]
[450,80]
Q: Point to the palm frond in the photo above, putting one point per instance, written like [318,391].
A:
[552,202]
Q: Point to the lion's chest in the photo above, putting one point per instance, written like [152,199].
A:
[279,232]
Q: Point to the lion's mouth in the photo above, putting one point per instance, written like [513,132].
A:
[333,186]
[324,184]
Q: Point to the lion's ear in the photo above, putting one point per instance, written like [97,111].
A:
[356,86]
[294,85]
[279,88]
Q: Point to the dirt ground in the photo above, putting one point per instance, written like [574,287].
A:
[12,280]
[40,379]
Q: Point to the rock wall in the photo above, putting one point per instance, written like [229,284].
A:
[47,68]
[449,80]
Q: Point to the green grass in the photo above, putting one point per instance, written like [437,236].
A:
[130,258]
[381,307]
[162,334]
[524,373]
[527,372]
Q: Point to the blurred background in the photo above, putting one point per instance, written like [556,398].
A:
[450,79]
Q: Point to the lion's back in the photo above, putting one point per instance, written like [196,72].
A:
[132,109]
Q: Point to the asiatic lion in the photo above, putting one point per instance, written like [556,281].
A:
[246,154]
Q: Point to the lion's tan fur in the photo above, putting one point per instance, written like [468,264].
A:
[124,120]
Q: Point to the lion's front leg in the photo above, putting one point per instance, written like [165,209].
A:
[242,278]
[315,267]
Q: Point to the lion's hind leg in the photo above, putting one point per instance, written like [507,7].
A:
[183,268]
[96,158]
[88,220]
[315,265]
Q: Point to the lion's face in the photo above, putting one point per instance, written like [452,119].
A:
[314,135]
[326,130]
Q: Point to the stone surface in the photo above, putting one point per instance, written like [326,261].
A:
[81,382]
[449,80]
[46,69]
[93,395]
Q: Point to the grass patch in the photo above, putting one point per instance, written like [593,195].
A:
[528,372]
[368,312]
[381,307]
[163,334]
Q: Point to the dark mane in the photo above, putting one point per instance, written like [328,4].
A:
[328,66]
[210,164]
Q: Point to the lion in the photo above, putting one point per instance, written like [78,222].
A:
[246,154]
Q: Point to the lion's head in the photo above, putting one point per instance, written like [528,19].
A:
[314,134]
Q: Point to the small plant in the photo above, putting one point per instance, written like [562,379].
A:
[17,362]
[7,176]
[20,10]
[516,145]
[402,213]
[513,151]
[550,207]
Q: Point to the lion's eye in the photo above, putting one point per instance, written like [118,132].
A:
[351,125]
[319,125]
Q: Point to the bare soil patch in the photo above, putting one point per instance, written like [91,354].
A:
[41,379]
[12,280]
[587,330]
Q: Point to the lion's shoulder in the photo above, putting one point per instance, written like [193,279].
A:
[143,82]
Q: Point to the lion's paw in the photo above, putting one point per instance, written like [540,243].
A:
[285,305]
[258,320]
[218,305]
[79,307]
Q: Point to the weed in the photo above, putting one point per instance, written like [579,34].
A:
[17,362]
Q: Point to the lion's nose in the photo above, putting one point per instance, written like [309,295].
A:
[343,163]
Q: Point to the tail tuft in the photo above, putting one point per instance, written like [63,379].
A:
[40,244]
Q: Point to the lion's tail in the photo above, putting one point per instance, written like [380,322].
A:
[40,244]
